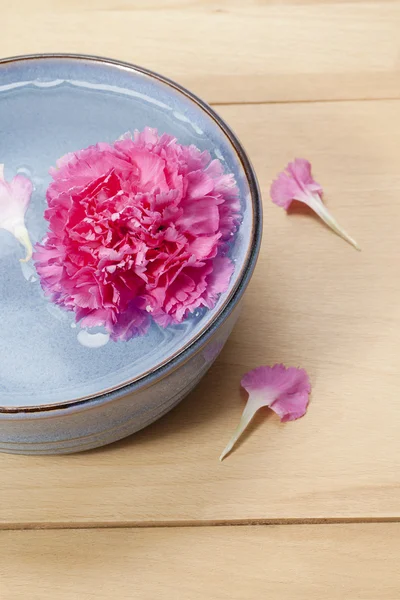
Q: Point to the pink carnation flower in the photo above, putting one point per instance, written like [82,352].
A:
[137,228]
[283,389]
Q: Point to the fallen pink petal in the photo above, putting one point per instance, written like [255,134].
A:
[14,200]
[296,183]
[285,390]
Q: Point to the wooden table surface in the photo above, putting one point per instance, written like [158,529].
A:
[309,509]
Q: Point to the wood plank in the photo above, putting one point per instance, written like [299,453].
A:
[227,51]
[219,563]
[314,302]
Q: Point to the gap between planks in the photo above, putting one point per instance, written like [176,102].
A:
[305,101]
[188,523]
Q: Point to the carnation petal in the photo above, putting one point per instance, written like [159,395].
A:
[296,183]
[130,323]
[204,247]
[290,407]
[218,280]
[14,200]
[300,170]
[200,217]
[285,390]
[151,169]
[283,190]
[200,184]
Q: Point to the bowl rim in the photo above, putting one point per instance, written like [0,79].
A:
[195,344]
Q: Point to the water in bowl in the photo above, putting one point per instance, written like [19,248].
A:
[45,358]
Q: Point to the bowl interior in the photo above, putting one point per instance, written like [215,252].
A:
[50,106]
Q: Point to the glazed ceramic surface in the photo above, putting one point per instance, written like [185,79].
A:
[63,388]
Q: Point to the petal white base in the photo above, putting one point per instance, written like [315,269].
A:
[319,207]
[254,403]
[22,235]
[244,422]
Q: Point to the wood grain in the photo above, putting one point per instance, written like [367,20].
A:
[314,302]
[227,51]
[220,563]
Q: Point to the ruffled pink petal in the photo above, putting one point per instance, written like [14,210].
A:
[300,170]
[279,378]
[199,184]
[283,190]
[215,169]
[146,137]
[294,183]
[285,390]
[204,247]
[151,168]
[131,323]
[290,407]
[218,280]
[200,218]
[96,318]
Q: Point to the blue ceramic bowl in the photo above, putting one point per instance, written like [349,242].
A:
[63,389]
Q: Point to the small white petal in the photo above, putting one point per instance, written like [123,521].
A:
[14,200]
